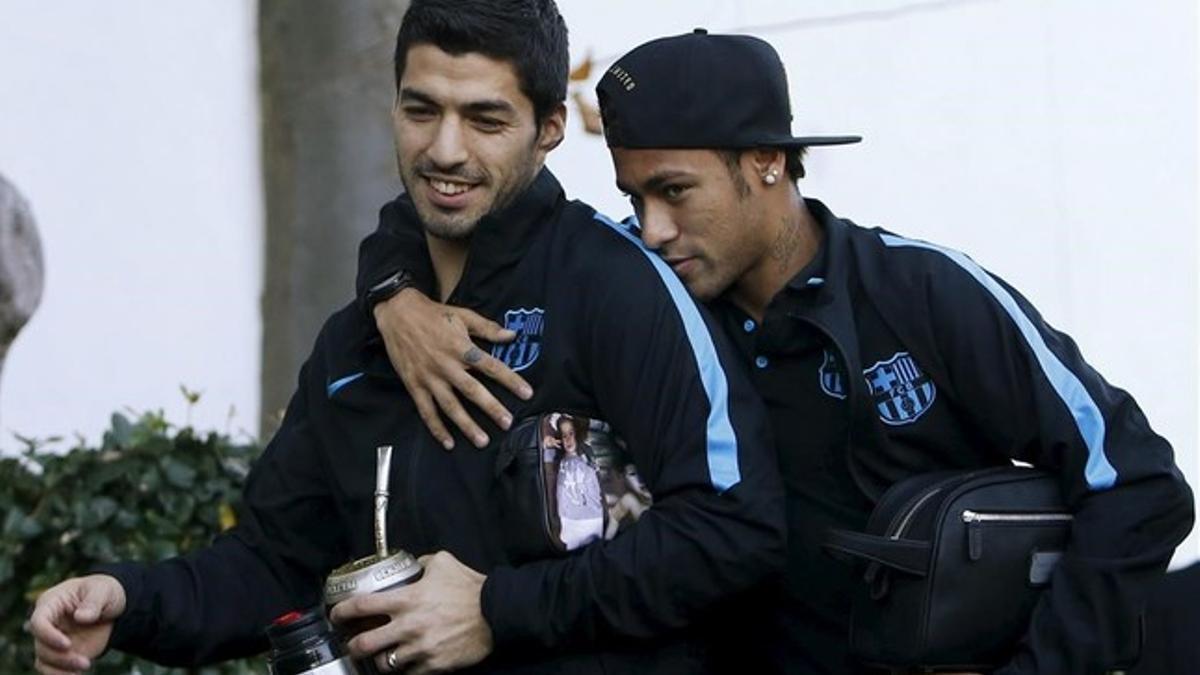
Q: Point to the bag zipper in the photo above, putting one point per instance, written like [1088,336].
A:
[911,511]
[969,516]
[975,520]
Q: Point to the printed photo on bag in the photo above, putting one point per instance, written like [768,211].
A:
[592,488]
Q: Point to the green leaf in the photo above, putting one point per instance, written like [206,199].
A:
[101,509]
[107,473]
[178,506]
[18,525]
[151,480]
[122,429]
[98,546]
[178,474]
[192,397]
[126,520]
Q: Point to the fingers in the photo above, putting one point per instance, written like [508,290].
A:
[496,370]
[491,331]
[90,603]
[478,394]
[403,658]
[41,624]
[452,407]
[46,669]
[484,328]
[428,411]
[58,661]
[48,612]
[382,604]
[375,641]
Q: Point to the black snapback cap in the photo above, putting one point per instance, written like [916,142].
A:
[698,90]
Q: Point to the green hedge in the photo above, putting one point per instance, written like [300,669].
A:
[150,491]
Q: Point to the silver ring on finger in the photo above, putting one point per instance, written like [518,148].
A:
[393,663]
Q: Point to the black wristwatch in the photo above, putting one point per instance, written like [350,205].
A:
[387,288]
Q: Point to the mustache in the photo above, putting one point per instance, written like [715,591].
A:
[461,172]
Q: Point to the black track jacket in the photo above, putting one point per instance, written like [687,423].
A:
[1010,387]
[615,338]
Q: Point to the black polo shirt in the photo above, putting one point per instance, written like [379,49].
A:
[800,378]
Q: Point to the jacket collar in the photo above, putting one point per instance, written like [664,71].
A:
[833,313]
[833,249]
[501,238]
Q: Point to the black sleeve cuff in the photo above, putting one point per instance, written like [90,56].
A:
[494,604]
[134,624]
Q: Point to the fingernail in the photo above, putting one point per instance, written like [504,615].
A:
[506,422]
[526,392]
[448,444]
[481,440]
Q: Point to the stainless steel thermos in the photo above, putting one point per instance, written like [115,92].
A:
[303,643]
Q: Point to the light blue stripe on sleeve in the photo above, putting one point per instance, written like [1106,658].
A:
[1099,473]
[339,383]
[722,450]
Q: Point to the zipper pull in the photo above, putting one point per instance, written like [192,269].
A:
[974,536]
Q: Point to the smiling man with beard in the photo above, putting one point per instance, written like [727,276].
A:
[480,89]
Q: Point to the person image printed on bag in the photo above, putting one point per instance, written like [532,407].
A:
[580,503]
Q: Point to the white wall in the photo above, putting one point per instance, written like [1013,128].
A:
[132,127]
[1053,141]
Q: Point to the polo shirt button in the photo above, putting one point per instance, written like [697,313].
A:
[749,325]
[762,362]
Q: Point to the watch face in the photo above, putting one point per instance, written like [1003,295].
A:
[388,287]
[388,282]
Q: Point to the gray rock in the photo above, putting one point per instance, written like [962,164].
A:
[22,271]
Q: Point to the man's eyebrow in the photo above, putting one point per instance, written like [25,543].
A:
[482,107]
[410,94]
[489,106]
[655,181]
[659,179]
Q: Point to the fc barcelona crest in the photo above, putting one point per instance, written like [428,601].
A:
[833,380]
[901,391]
[524,350]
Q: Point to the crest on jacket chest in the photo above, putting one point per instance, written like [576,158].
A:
[833,378]
[902,391]
[528,324]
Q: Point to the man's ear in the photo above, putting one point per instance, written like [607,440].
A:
[764,161]
[553,128]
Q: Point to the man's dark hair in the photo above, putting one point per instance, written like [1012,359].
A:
[530,34]
[793,164]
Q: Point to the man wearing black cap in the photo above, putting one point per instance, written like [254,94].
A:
[879,357]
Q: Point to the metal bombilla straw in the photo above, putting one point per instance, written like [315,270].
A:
[383,471]
[384,568]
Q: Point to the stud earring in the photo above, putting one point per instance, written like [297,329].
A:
[770,178]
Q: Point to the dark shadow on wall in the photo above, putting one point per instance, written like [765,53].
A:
[328,165]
